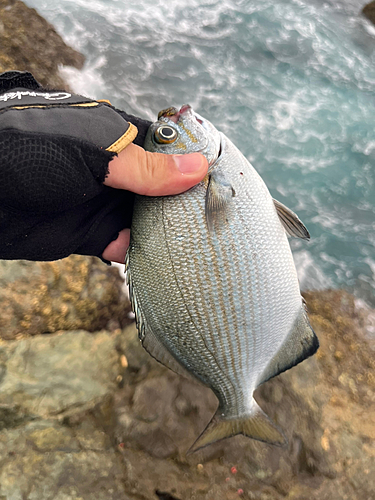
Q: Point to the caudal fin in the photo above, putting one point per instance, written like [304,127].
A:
[256,425]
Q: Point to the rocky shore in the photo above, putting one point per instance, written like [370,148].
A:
[86,413]
[29,42]
[369,11]
[90,415]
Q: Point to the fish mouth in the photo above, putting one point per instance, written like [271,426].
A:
[174,114]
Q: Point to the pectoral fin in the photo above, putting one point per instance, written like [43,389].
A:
[218,195]
[291,222]
[256,425]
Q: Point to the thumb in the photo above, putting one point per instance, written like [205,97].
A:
[155,174]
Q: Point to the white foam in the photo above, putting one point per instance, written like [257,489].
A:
[121,270]
[310,275]
[369,317]
[87,81]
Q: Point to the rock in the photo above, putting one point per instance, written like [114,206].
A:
[369,11]
[44,460]
[326,405]
[93,414]
[70,294]
[55,406]
[23,35]
[56,375]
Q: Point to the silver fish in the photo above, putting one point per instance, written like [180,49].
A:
[212,279]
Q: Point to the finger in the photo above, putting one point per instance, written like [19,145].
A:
[116,250]
[155,174]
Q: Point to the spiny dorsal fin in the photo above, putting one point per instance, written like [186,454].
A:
[219,193]
[299,345]
[291,222]
[139,320]
[157,350]
[149,341]
[256,425]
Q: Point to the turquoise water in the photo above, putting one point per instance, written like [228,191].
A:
[290,82]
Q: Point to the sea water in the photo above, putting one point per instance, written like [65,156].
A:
[290,82]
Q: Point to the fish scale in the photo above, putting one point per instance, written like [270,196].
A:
[213,282]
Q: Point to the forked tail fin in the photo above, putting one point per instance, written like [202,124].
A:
[256,425]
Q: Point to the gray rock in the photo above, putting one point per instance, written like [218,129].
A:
[70,294]
[55,415]
[46,461]
[69,432]
[56,375]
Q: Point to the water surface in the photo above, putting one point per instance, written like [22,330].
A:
[291,82]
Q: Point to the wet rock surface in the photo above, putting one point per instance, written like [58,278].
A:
[74,293]
[29,42]
[92,415]
[369,11]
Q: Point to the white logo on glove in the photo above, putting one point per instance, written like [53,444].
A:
[54,96]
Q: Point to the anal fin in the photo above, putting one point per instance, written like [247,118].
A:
[300,344]
[256,425]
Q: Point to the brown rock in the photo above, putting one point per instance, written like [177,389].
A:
[326,406]
[369,11]
[69,294]
[29,42]
[133,440]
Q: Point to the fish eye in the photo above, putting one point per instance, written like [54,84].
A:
[165,135]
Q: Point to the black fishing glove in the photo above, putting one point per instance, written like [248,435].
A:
[55,147]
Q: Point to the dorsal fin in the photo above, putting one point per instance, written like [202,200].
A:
[156,349]
[299,345]
[291,222]
[149,341]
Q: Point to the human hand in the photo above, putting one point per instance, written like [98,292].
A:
[150,174]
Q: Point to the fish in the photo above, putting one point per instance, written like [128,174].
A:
[212,279]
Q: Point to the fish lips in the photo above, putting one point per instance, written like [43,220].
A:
[174,114]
